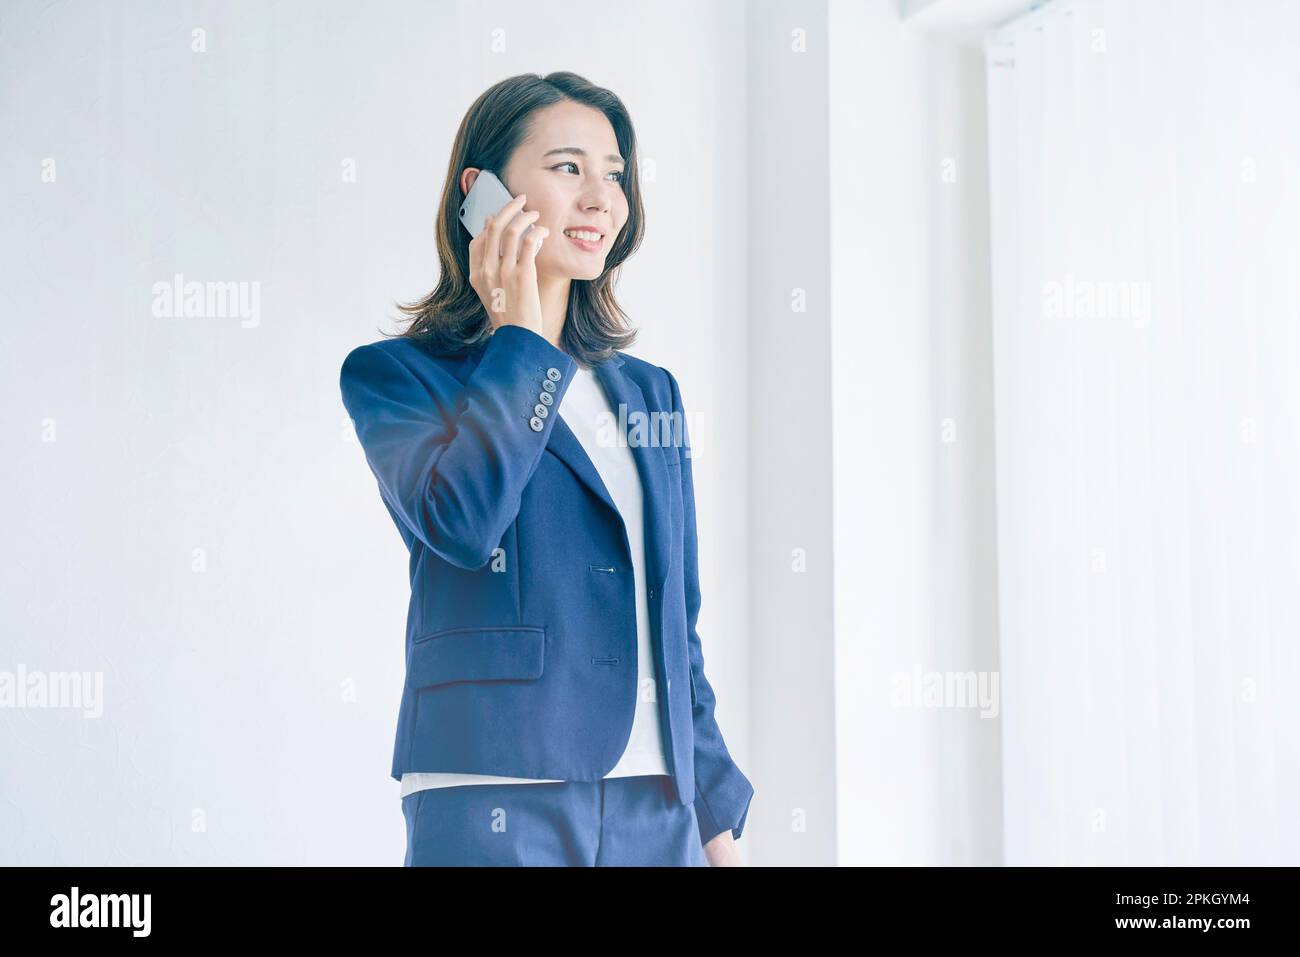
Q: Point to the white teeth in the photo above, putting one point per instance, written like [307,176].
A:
[583,235]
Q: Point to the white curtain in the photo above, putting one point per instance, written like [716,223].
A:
[1145,165]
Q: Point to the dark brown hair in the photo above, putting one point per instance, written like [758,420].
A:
[452,317]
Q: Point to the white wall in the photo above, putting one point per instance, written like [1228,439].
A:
[842,540]
[963,540]
[882,432]
[260,695]
[789,415]
[915,578]
[871,533]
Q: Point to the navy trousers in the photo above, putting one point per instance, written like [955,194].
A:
[614,822]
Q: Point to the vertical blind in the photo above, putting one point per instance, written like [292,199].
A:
[1145,202]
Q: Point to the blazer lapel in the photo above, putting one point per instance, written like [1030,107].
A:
[561,443]
[629,405]
[628,402]
[564,445]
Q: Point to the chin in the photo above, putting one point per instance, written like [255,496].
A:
[581,270]
[588,273]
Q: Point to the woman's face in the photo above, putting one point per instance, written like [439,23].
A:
[571,172]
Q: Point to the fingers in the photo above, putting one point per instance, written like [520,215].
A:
[494,230]
[485,248]
[504,251]
[512,250]
[510,246]
[531,244]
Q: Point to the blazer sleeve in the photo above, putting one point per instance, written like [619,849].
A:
[452,459]
[722,792]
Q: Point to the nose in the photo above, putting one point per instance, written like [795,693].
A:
[595,204]
[594,199]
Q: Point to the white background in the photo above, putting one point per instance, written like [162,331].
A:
[861,518]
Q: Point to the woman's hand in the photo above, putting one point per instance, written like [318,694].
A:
[502,269]
[722,851]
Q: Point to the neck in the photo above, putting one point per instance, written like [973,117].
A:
[553,292]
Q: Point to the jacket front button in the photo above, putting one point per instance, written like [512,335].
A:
[536,423]
[553,374]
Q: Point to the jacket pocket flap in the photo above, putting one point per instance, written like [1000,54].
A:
[476,654]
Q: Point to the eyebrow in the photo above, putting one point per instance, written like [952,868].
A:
[579,151]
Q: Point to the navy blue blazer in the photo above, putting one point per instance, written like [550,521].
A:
[521,636]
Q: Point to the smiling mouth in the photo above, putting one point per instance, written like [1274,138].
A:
[589,240]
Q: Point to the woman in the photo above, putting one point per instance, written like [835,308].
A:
[555,710]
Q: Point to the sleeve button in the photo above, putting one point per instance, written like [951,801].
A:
[553,374]
[535,423]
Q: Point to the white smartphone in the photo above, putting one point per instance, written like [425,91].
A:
[485,198]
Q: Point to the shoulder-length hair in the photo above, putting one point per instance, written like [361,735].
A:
[452,317]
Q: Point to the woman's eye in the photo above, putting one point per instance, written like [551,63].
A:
[617,172]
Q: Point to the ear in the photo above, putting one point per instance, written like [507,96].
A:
[467,177]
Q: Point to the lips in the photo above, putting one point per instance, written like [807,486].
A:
[586,243]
